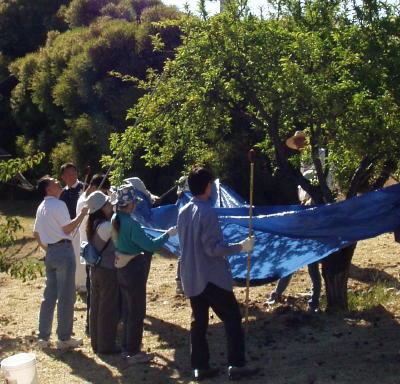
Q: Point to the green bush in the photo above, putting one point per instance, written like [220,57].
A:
[62,153]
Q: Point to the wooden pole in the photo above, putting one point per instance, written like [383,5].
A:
[251,156]
[88,170]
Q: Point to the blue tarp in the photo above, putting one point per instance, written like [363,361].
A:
[287,237]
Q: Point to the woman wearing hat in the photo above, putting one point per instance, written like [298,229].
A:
[104,307]
[134,251]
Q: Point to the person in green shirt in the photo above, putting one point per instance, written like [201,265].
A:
[133,257]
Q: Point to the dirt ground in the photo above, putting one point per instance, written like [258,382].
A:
[291,346]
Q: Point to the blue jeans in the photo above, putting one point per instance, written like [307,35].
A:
[313,271]
[60,290]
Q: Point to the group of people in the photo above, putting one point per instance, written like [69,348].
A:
[118,282]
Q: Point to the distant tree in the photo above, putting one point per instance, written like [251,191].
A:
[84,12]
[141,5]
[239,81]
[24,24]
[70,82]
[8,128]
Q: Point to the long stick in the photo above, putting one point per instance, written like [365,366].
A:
[168,192]
[251,159]
[88,171]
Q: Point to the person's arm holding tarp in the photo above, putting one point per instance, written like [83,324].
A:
[139,237]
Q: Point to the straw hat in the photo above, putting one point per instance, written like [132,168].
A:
[297,141]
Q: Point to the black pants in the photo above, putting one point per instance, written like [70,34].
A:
[225,306]
[87,299]
[132,280]
[104,309]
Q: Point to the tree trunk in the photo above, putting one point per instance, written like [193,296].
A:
[335,271]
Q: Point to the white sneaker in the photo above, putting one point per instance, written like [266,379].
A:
[69,344]
[42,343]
[273,299]
[139,358]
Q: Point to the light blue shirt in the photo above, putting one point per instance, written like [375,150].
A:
[203,249]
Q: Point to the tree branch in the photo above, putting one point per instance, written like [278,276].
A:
[327,195]
[388,167]
[360,175]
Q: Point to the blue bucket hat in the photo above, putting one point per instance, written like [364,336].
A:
[124,195]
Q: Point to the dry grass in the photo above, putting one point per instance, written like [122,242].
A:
[290,345]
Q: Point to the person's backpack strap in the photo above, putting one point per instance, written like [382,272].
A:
[105,245]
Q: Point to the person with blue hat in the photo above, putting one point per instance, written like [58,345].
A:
[133,257]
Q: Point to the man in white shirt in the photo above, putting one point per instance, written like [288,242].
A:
[53,228]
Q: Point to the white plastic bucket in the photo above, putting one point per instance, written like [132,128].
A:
[20,369]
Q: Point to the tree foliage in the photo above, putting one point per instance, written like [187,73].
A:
[24,24]
[9,226]
[240,81]
[84,12]
[70,82]
[9,168]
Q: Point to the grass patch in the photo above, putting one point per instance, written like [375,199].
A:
[378,294]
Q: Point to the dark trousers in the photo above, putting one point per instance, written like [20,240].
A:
[132,280]
[224,304]
[104,309]
[313,271]
[87,268]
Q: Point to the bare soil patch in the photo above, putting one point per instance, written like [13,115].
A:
[290,345]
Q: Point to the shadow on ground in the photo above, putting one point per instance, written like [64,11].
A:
[372,275]
[290,345]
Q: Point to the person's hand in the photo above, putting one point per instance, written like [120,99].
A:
[156,200]
[172,231]
[85,210]
[247,244]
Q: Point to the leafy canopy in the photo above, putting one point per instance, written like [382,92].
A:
[240,81]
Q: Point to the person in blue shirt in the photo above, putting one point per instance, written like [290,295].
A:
[207,280]
[134,250]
